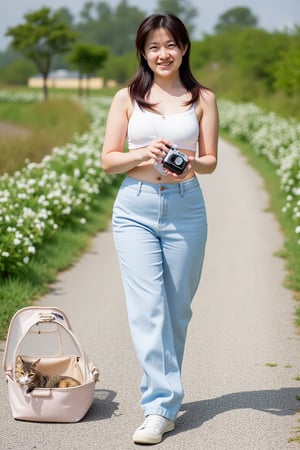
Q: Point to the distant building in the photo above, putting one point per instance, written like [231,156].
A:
[65,79]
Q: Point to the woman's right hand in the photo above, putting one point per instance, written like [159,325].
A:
[157,150]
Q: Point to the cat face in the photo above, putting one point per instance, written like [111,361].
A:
[25,372]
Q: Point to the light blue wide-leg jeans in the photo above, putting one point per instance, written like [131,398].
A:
[160,233]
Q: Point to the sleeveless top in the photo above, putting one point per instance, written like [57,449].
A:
[181,129]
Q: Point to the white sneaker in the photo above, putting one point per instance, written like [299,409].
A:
[152,430]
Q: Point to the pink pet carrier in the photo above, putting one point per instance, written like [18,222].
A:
[46,333]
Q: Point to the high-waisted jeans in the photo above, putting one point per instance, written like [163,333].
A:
[160,233]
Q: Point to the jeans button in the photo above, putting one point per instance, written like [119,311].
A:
[162,188]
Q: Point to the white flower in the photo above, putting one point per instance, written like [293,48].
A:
[76,173]
[67,210]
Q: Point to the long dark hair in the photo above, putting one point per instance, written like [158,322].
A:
[140,85]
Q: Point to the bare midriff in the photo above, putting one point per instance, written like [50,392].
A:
[145,171]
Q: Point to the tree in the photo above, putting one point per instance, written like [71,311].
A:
[120,68]
[87,58]
[181,8]
[286,68]
[86,13]
[42,35]
[126,20]
[17,72]
[114,28]
[255,61]
[66,16]
[236,18]
[96,25]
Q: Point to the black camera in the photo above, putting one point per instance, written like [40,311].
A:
[175,161]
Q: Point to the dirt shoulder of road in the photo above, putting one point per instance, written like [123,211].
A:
[10,129]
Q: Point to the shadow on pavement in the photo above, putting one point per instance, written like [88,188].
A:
[103,406]
[281,402]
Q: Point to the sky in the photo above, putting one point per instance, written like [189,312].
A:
[272,15]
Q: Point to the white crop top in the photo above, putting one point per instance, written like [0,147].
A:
[182,129]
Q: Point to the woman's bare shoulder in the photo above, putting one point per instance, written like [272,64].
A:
[122,100]
[122,96]
[207,96]
[206,101]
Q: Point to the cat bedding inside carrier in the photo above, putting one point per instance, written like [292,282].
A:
[49,376]
[47,373]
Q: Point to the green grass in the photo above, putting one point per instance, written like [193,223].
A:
[291,249]
[48,115]
[55,255]
[47,124]
[297,438]
[227,83]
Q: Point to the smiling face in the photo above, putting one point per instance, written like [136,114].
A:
[162,54]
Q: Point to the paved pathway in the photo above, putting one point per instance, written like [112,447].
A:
[10,129]
[243,320]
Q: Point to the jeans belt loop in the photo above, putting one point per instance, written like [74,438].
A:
[139,188]
[181,189]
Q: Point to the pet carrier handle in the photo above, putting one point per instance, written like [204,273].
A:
[94,371]
[41,393]
[47,317]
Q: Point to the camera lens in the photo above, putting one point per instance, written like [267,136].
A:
[178,160]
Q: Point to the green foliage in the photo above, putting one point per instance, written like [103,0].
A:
[113,28]
[40,37]
[200,54]
[87,58]
[181,8]
[255,60]
[287,67]
[8,57]
[288,73]
[120,68]
[221,48]
[50,116]
[236,18]
[235,64]
[66,17]
[45,125]
[17,72]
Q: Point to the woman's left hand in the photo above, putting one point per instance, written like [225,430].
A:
[185,172]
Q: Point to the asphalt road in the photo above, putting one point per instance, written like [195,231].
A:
[242,325]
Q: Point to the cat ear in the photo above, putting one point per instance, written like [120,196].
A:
[19,360]
[35,364]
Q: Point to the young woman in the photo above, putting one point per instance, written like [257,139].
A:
[159,218]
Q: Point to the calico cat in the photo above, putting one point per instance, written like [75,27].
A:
[26,374]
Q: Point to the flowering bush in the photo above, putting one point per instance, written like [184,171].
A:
[276,138]
[42,197]
[19,96]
